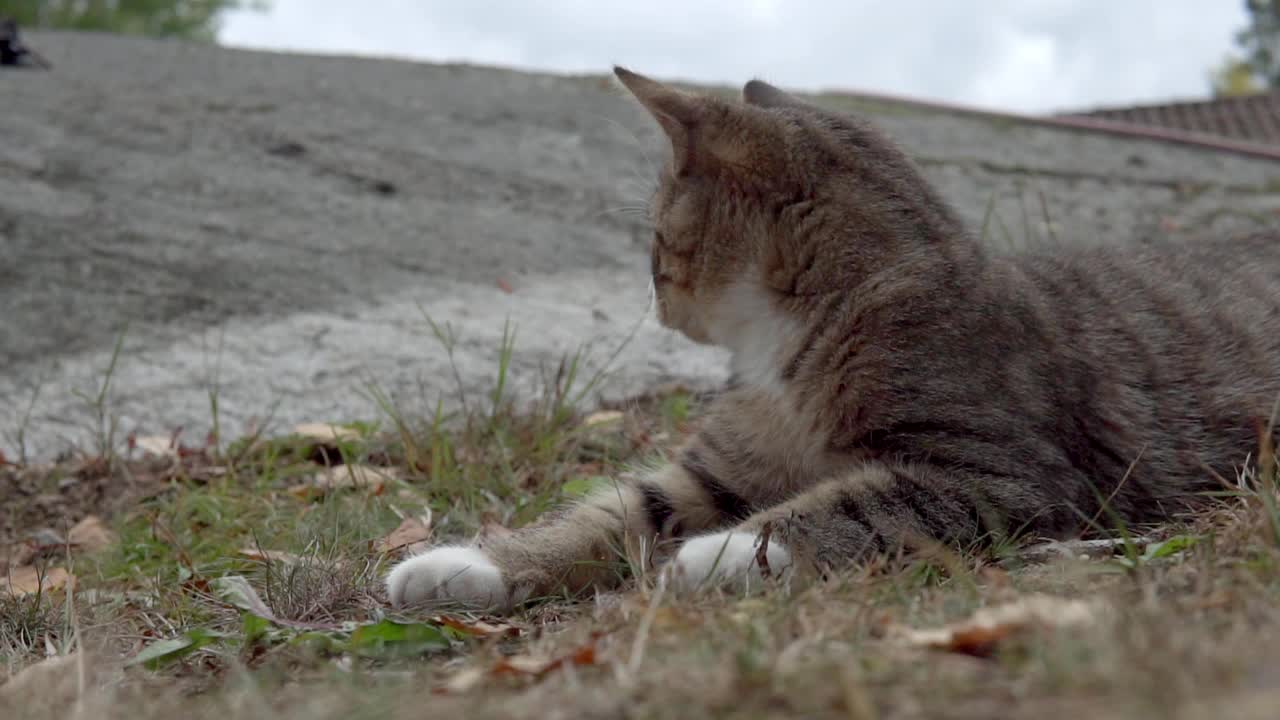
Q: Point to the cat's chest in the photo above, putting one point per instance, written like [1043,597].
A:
[757,367]
[791,450]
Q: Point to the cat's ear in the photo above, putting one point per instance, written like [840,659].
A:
[762,94]
[707,132]
[676,111]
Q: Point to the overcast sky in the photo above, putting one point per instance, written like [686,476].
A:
[1025,55]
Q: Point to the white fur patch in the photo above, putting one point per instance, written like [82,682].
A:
[750,326]
[726,560]
[450,574]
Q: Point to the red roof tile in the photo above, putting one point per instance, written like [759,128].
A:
[1249,118]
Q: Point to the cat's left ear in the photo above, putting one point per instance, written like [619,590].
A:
[708,133]
[676,111]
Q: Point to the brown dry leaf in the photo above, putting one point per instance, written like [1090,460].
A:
[479,627]
[261,555]
[536,666]
[91,534]
[530,666]
[411,535]
[341,477]
[27,580]
[325,432]
[985,629]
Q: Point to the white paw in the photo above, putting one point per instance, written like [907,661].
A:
[726,560]
[456,575]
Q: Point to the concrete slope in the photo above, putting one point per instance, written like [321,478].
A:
[276,226]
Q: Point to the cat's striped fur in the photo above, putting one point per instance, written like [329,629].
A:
[892,379]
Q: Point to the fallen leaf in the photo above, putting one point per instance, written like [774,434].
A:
[463,681]
[207,473]
[261,555]
[343,477]
[532,666]
[325,432]
[602,417]
[158,445]
[505,286]
[28,580]
[412,535]
[91,534]
[981,633]
[536,666]
[479,627]
[524,665]
[397,639]
[162,652]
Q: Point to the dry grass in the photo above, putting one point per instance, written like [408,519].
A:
[1188,628]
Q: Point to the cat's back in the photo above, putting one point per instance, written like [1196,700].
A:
[1176,345]
[1218,294]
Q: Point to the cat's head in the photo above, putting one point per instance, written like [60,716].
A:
[771,198]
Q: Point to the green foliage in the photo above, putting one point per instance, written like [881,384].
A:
[1258,66]
[188,19]
[1234,78]
[389,638]
[1159,550]
[163,652]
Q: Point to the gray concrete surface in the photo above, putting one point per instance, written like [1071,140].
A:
[275,225]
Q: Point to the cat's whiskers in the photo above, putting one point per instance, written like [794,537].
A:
[637,210]
[645,181]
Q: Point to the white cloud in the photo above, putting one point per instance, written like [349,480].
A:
[1009,54]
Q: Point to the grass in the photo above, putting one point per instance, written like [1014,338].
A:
[237,586]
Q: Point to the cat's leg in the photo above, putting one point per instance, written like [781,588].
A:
[870,510]
[584,544]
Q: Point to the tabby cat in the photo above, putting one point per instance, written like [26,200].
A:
[892,380]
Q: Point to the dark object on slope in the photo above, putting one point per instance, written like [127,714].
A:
[13,53]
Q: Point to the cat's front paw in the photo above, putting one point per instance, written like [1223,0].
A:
[726,560]
[455,575]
